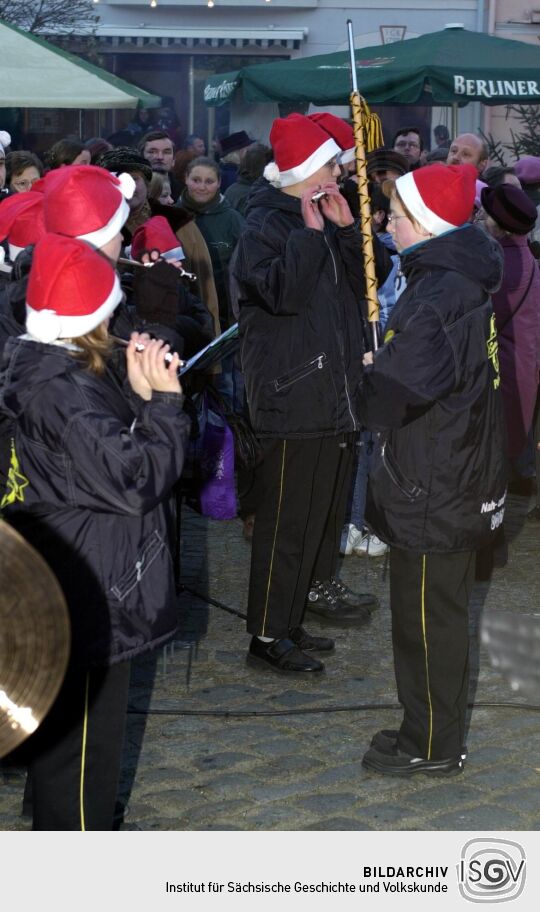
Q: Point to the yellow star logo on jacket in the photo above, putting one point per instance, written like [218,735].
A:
[16,481]
[493,351]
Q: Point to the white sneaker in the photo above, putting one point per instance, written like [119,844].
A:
[371,545]
[352,540]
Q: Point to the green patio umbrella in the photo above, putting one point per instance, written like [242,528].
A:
[36,74]
[447,67]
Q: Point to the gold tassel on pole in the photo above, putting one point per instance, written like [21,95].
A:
[357,106]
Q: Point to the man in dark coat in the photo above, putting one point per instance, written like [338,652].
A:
[300,282]
[438,490]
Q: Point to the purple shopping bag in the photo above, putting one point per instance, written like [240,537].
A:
[217,491]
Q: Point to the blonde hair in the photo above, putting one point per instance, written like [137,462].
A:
[156,185]
[96,347]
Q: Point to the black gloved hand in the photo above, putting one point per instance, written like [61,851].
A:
[155,293]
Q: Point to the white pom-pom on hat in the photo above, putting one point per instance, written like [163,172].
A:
[44,325]
[5,139]
[272,175]
[127,185]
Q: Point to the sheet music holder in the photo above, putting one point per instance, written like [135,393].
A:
[218,348]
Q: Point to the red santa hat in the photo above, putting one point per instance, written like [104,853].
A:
[339,130]
[300,148]
[71,289]
[85,202]
[156,234]
[439,197]
[21,221]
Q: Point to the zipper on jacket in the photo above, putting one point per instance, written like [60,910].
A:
[347,396]
[408,488]
[355,426]
[331,252]
[299,373]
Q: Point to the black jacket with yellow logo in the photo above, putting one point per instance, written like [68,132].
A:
[433,393]
[89,481]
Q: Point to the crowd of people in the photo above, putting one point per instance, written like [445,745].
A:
[121,257]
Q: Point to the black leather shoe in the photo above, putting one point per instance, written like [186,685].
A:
[308,643]
[282,656]
[397,763]
[354,599]
[323,601]
[386,739]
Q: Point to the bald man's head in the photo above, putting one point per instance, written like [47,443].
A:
[468,149]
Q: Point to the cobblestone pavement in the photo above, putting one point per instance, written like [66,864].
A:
[226,747]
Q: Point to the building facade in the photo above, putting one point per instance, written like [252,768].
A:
[170,47]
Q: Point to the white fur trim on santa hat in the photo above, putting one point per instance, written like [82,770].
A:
[347,156]
[409,194]
[14,251]
[127,184]
[316,160]
[47,325]
[175,253]
[102,235]
[5,140]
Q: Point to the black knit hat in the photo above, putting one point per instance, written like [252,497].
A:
[125,159]
[510,207]
[386,160]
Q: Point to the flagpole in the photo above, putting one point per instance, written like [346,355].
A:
[365,203]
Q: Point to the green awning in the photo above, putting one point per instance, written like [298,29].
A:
[453,65]
[36,74]
[220,88]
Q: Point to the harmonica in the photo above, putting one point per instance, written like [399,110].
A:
[140,347]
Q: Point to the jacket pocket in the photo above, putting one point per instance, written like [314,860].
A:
[151,549]
[407,487]
[298,373]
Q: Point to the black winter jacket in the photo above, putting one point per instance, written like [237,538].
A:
[299,294]
[433,392]
[89,483]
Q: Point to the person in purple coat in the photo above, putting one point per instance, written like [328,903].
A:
[510,216]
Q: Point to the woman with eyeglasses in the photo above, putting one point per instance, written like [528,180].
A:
[23,169]
[437,492]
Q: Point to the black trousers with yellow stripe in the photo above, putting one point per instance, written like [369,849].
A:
[429,599]
[76,753]
[304,485]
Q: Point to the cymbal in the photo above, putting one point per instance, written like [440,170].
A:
[34,639]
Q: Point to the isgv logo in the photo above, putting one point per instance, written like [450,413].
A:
[491,870]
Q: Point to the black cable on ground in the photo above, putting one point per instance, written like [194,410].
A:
[212,601]
[310,710]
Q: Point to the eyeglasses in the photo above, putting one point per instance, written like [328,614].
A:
[403,144]
[393,217]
